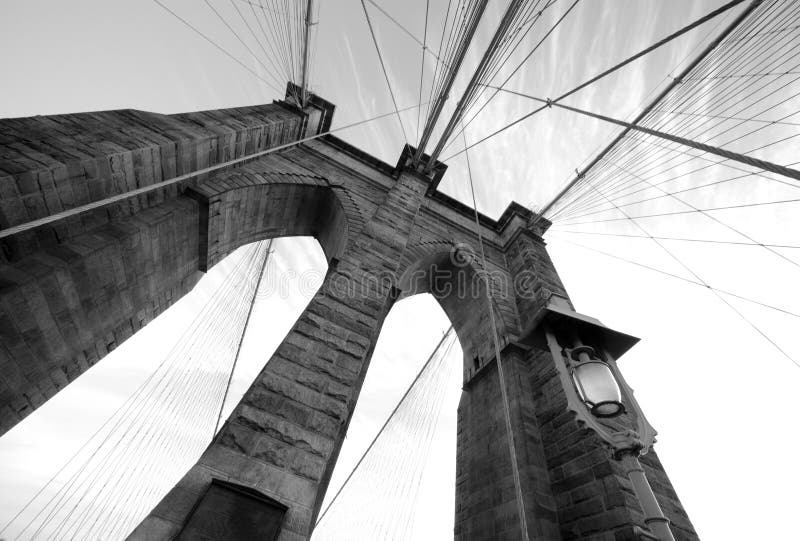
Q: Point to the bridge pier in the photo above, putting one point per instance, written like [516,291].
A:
[72,290]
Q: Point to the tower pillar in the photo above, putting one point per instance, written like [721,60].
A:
[74,289]
[284,436]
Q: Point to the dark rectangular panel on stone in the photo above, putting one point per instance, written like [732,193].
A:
[231,512]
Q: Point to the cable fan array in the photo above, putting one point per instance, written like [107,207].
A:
[271,31]
[458,30]
[377,499]
[742,97]
[144,447]
[518,22]
[516,25]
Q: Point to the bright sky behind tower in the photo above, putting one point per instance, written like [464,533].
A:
[720,395]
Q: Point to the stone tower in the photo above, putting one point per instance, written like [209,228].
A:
[74,289]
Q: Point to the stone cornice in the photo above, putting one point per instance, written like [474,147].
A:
[500,226]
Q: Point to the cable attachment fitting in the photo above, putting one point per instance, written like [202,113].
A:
[548,102]
[578,174]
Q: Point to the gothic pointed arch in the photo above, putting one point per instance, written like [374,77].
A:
[272,197]
[452,274]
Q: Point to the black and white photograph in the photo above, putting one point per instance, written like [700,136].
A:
[408,270]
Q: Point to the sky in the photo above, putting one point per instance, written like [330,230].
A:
[720,396]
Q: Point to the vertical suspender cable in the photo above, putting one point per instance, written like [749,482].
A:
[445,336]
[450,78]
[512,448]
[244,332]
[38,222]
[488,57]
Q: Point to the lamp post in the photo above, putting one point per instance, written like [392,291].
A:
[585,352]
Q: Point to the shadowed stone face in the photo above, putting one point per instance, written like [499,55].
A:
[74,290]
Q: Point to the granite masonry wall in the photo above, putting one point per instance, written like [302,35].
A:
[73,290]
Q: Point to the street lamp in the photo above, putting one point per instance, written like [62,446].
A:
[585,352]
[595,383]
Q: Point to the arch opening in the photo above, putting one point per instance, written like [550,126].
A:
[409,473]
[439,289]
[453,278]
[268,198]
[115,395]
[109,282]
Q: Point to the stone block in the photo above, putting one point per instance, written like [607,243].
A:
[76,291]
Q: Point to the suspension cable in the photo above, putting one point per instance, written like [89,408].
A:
[460,50]
[383,68]
[512,448]
[675,82]
[728,154]
[411,387]
[624,63]
[219,47]
[699,279]
[241,338]
[27,226]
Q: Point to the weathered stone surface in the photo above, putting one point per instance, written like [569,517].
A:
[71,292]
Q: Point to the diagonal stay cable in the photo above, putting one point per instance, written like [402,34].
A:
[215,44]
[679,277]
[716,151]
[516,69]
[703,282]
[627,61]
[682,239]
[27,226]
[431,357]
[708,50]
[644,101]
[617,191]
[200,406]
[679,212]
[178,346]
[199,415]
[261,274]
[431,93]
[252,33]
[422,63]
[383,67]
[572,193]
[278,35]
[512,448]
[176,402]
[171,402]
[730,155]
[778,122]
[421,43]
[244,44]
[470,21]
[707,215]
[502,38]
